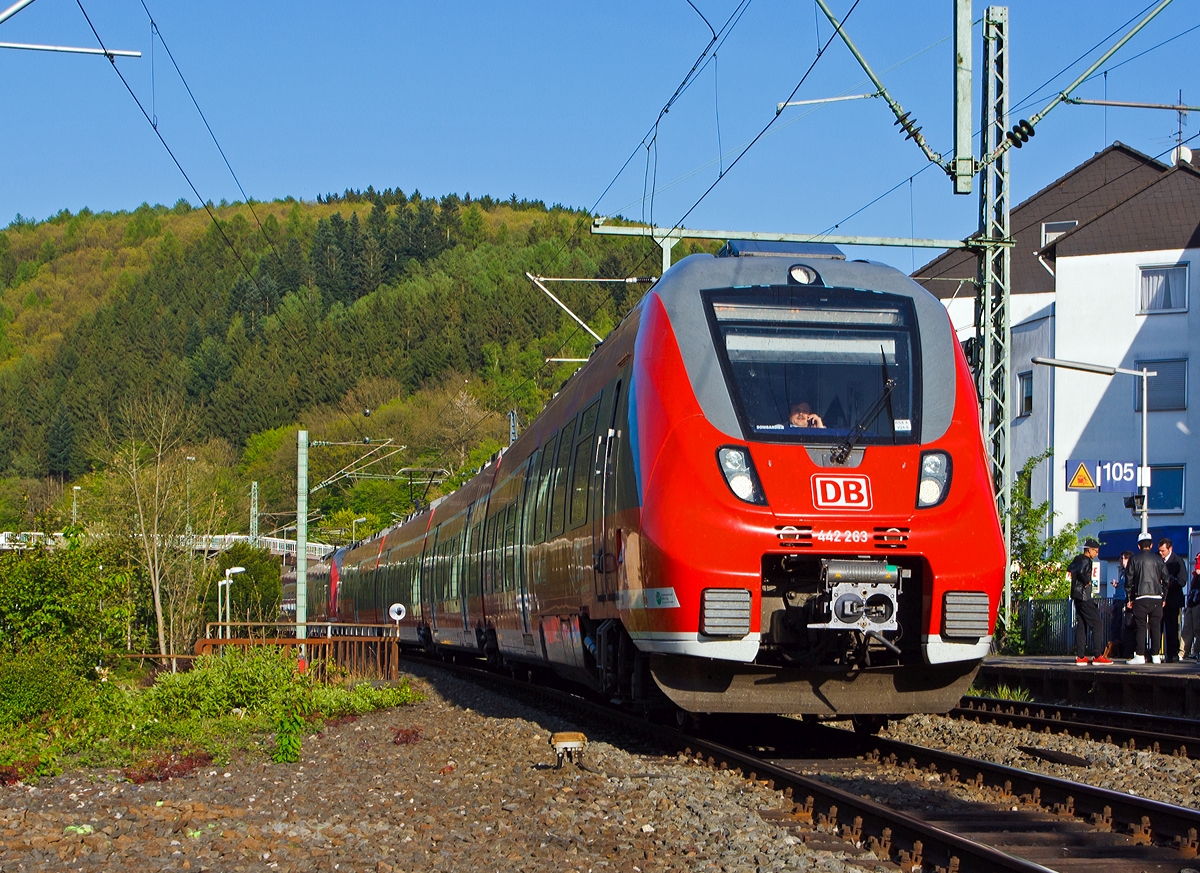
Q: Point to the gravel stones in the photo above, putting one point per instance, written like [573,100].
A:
[1156,776]
[477,791]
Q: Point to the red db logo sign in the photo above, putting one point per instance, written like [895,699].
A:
[841,492]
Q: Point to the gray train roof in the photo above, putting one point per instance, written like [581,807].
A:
[680,287]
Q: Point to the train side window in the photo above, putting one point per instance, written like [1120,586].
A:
[543,490]
[579,482]
[581,469]
[558,505]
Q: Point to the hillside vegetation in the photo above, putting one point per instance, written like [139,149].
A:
[291,313]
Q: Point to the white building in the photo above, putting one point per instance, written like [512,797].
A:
[1102,274]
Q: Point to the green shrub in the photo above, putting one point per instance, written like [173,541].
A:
[219,684]
[334,700]
[33,683]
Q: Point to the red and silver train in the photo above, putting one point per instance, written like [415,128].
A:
[766,491]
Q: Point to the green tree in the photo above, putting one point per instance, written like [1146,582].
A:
[59,439]
[1039,556]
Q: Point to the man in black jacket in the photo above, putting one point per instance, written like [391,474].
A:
[1146,588]
[1177,579]
[1087,614]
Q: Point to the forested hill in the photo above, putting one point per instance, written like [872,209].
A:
[291,313]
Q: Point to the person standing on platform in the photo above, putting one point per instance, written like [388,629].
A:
[1191,616]
[1087,614]
[1118,646]
[1177,583]
[1146,588]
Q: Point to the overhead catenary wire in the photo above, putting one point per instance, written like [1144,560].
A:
[718,38]
[1035,96]
[766,127]
[155,29]
[740,155]
[216,222]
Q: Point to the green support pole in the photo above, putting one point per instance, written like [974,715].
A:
[301,534]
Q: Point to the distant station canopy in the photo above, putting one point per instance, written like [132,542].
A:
[752,248]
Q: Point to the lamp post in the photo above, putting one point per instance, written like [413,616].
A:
[188,497]
[354,528]
[226,583]
[1144,470]
[74,505]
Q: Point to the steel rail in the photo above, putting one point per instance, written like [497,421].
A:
[857,820]
[1166,735]
[1102,806]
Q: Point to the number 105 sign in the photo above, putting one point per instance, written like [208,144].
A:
[1113,476]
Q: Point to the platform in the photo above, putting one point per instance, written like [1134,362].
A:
[1169,689]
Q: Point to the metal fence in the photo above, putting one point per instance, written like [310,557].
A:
[1048,626]
[352,651]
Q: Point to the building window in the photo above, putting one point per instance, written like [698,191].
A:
[1024,394]
[1166,489]
[1163,289]
[1052,230]
[1168,389]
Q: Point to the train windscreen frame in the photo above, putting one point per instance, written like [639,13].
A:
[810,364]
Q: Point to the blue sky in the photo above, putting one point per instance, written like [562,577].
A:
[548,99]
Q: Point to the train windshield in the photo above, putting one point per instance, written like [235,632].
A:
[815,364]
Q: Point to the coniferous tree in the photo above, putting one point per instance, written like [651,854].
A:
[326,260]
[59,443]
[353,269]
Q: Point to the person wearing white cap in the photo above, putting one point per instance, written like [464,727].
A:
[1146,588]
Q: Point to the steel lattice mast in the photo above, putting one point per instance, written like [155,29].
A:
[992,326]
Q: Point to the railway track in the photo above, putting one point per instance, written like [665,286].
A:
[1131,730]
[1011,819]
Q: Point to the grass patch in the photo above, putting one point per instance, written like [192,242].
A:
[1017,694]
[254,701]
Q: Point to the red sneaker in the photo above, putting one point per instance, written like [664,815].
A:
[1100,659]
[1083,662]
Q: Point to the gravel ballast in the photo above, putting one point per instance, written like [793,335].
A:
[477,791]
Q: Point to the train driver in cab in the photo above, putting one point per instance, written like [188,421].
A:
[803,416]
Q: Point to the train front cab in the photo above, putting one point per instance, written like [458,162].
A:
[851,565]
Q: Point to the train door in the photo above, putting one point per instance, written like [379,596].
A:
[524,528]
[462,562]
[428,579]
[605,534]
[578,501]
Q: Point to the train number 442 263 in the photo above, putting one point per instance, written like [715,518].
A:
[842,536]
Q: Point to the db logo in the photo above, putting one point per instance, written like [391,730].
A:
[841,492]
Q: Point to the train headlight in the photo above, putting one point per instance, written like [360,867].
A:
[740,475]
[934,483]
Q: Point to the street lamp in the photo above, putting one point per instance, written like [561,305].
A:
[354,528]
[1144,470]
[226,583]
[188,480]
[75,505]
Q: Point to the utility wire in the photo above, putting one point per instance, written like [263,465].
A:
[741,155]
[1035,96]
[1032,95]
[216,223]
[768,125]
[156,29]
[702,18]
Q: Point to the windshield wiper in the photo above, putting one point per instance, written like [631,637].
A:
[841,452]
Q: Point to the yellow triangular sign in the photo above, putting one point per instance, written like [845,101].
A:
[1082,478]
